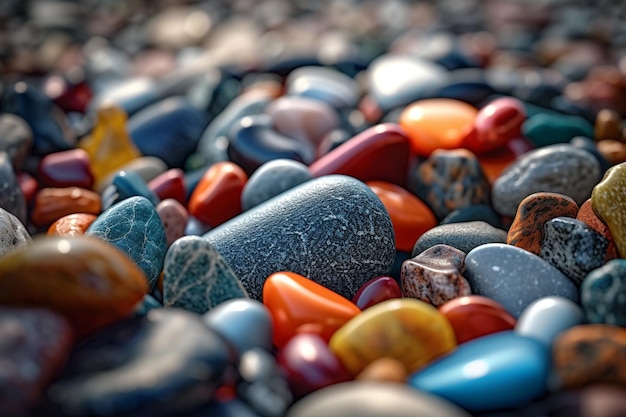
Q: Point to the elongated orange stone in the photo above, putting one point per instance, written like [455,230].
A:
[409,330]
[299,305]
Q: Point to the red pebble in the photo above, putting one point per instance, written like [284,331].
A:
[496,124]
[70,168]
[376,291]
[170,184]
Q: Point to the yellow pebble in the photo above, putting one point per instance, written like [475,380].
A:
[608,200]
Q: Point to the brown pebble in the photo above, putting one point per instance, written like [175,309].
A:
[72,225]
[613,150]
[608,125]
[591,219]
[53,203]
[384,369]
[174,217]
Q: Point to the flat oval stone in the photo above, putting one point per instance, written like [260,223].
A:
[591,219]
[590,354]
[573,247]
[545,318]
[174,217]
[609,204]
[134,227]
[86,280]
[245,323]
[464,236]
[127,184]
[490,373]
[13,234]
[11,197]
[333,230]
[561,169]
[496,123]
[71,168]
[602,294]
[408,330]
[75,224]
[196,277]
[514,277]
[527,230]
[53,203]
[16,138]
[126,368]
[271,179]
[449,180]
[379,153]
[548,129]
[434,276]
[375,291]
[373,399]
[324,84]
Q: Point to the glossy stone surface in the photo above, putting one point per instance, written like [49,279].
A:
[53,203]
[75,224]
[527,230]
[245,323]
[16,138]
[548,129]
[127,184]
[196,277]
[310,364]
[434,276]
[561,169]
[379,153]
[126,368]
[13,234]
[494,372]
[591,219]
[373,399]
[408,330]
[338,242]
[88,281]
[170,184]
[449,180]
[608,125]
[134,227]
[410,216]
[323,84]
[464,236]
[602,294]
[271,179]
[384,369]
[299,305]
[11,197]
[608,202]
[547,317]
[495,124]
[475,316]
[573,247]
[148,168]
[375,291]
[514,277]
[217,197]
[590,354]
[70,168]
[29,186]
[174,217]
[437,123]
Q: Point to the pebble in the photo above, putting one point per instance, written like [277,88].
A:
[375,291]
[514,277]
[170,184]
[593,147]
[608,125]
[533,212]
[384,370]
[127,184]
[464,236]
[16,139]
[75,224]
[495,124]
[475,212]
[434,276]
[174,217]
[573,247]
[333,230]
[134,227]
[559,168]
[607,201]
[13,234]
[324,84]
[271,179]
[70,168]
[548,129]
[148,168]
[196,278]
[11,197]
[602,294]
[591,219]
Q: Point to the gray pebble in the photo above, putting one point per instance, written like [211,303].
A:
[464,236]
[11,197]
[16,138]
[603,294]
[13,234]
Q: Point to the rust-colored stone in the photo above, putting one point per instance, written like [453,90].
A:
[75,224]
[591,219]
[53,203]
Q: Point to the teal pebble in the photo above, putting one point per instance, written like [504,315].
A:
[134,227]
[127,184]
[548,129]
[603,293]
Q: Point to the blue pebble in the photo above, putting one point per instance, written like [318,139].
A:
[603,293]
[127,184]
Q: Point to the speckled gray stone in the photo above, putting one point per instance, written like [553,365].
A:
[464,236]
[11,197]
[333,230]
[514,277]
[271,179]
[603,294]
[558,168]
[13,234]
[196,277]
[573,247]
[16,138]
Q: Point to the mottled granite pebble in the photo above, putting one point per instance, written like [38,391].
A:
[16,138]
[196,277]
[333,230]
[573,247]
[609,203]
[134,226]
[449,180]
[271,179]
[603,294]
[514,277]
[533,212]
[559,168]
[13,234]
[435,276]
[464,236]
[11,197]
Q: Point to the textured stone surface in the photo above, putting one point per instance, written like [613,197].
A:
[196,277]
[514,277]
[603,294]
[559,168]
[435,276]
[591,219]
[13,234]
[134,226]
[533,212]
[333,230]
[16,138]
[174,217]
[464,236]
[11,197]
[573,247]
[609,203]
[127,184]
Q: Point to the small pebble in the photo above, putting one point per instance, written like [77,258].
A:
[384,370]
[72,225]
[603,294]
[53,203]
[13,234]
[609,203]
[549,129]
[464,236]
[174,217]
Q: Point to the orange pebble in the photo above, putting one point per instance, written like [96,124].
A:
[72,225]
[53,203]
